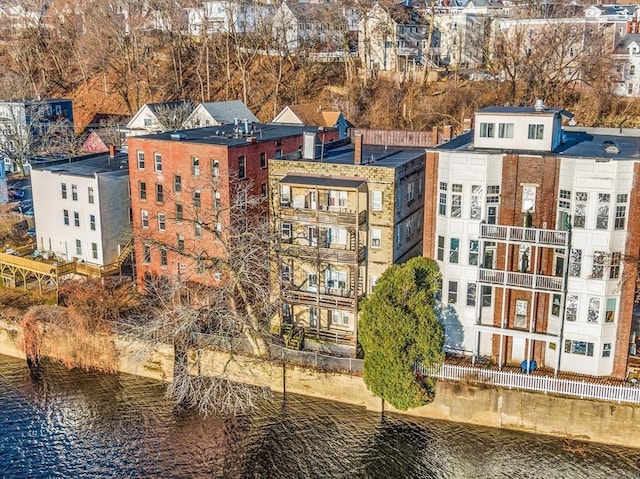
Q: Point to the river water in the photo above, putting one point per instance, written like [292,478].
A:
[77,424]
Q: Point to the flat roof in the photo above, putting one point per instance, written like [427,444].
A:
[322,181]
[525,110]
[226,135]
[87,165]
[372,156]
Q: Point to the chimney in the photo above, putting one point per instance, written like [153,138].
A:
[309,145]
[466,124]
[112,151]
[446,133]
[246,126]
[357,150]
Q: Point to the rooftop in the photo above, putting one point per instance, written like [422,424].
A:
[86,165]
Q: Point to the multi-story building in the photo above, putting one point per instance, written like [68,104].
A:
[81,208]
[342,216]
[182,180]
[528,220]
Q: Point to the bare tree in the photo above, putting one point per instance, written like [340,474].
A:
[173,116]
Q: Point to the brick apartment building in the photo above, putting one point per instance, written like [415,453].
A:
[531,222]
[181,180]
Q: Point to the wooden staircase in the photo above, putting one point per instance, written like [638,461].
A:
[293,336]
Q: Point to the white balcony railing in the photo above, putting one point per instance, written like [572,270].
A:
[512,279]
[519,234]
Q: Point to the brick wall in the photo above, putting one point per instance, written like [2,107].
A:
[430,204]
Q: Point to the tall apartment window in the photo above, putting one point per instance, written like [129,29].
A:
[520,317]
[141,160]
[163,257]
[215,168]
[94,250]
[285,195]
[74,192]
[575,262]
[376,238]
[610,313]
[143,190]
[180,243]
[477,191]
[536,132]
[78,247]
[216,201]
[606,350]
[179,213]
[452,297]
[597,270]
[614,266]
[91,197]
[580,209]
[65,214]
[376,200]
[144,217]
[473,252]
[456,201]
[146,255]
[196,198]
[177,183]
[76,218]
[555,305]
[263,190]
[195,166]
[487,130]
[505,130]
[242,199]
[92,222]
[338,198]
[398,235]
[440,254]
[159,193]
[197,229]
[621,212]
[157,162]
[242,165]
[528,199]
[571,308]
[602,218]
[578,347]
[263,160]
[593,313]
[286,231]
[485,296]
[410,192]
[471,294]
[442,203]
[454,250]
[63,187]
[161,222]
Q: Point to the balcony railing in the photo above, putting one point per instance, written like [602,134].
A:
[323,214]
[329,298]
[524,235]
[323,253]
[512,279]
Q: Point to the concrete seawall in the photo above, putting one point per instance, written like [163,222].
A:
[459,402]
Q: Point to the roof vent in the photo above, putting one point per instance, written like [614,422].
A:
[611,147]
[539,106]
[178,136]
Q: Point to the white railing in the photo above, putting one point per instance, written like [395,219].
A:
[542,384]
[514,279]
[524,235]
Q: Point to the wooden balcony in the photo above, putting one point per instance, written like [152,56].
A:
[515,280]
[328,298]
[325,215]
[323,253]
[517,234]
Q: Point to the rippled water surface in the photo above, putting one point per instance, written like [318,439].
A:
[74,424]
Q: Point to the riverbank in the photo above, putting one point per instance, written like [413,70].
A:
[455,401]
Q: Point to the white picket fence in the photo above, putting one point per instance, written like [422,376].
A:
[543,384]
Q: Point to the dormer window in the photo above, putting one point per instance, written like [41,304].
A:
[487,130]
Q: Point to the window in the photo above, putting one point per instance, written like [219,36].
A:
[602,218]
[505,130]
[452,297]
[215,168]
[571,309]
[196,198]
[487,130]
[536,132]
[335,279]
[476,201]
[92,222]
[197,229]
[597,270]
[610,313]
[90,193]
[263,160]
[376,237]
[285,195]
[473,252]
[528,199]
[312,282]
[144,216]
[286,231]
[242,173]
[614,265]
[520,318]
[485,295]
[575,262]
[141,160]
[409,192]
[442,203]
[63,187]
[79,247]
[372,283]
[74,192]
[338,198]
[471,294]
[337,236]
[159,193]
[143,190]
[157,162]
[376,200]
[65,213]
[146,254]
[564,201]
[555,305]
[163,257]
[179,212]
[454,250]
[94,250]
[340,318]
[632,70]
[621,212]
[263,190]
[148,122]
[313,317]
[180,243]
[456,201]
[580,211]
[195,166]
[76,218]
[216,200]
[177,183]
[606,350]
[242,199]
[578,347]
[398,235]
[440,254]
[161,222]
[593,313]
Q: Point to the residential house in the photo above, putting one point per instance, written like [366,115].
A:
[528,220]
[150,117]
[81,207]
[181,180]
[220,113]
[626,56]
[225,16]
[343,215]
[314,114]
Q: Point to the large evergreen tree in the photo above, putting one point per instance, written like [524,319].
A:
[398,328]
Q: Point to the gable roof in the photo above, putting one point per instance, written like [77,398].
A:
[228,111]
[153,109]
[626,42]
[313,114]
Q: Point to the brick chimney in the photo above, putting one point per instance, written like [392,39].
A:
[112,151]
[446,133]
[357,150]
[466,124]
